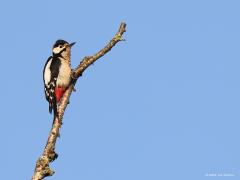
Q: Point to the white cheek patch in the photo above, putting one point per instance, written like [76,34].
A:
[57,50]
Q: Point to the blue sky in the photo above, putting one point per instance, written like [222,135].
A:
[164,104]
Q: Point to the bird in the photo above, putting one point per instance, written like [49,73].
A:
[57,73]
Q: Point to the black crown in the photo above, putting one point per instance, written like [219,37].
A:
[60,42]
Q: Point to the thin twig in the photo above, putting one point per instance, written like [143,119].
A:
[42,168]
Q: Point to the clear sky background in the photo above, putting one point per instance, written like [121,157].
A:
[164,104]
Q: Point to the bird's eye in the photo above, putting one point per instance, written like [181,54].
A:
[60,46]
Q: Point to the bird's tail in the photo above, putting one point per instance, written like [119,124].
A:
[53,107]
[55,113]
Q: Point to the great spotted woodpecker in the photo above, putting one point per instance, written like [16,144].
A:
[57,73]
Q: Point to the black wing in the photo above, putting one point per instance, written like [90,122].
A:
[44,80]
[53,69]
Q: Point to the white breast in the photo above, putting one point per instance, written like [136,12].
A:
[64,75]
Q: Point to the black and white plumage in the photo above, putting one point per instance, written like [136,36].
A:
[57,73]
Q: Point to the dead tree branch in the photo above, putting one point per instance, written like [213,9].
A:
[42,168]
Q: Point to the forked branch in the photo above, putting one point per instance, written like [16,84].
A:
[42,168]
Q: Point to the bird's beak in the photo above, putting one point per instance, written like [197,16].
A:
[72,44]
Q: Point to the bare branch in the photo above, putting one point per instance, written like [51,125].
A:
[88,60]
[42,168]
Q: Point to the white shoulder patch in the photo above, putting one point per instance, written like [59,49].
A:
[47,72]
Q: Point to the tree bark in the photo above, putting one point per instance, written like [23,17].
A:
[42,168]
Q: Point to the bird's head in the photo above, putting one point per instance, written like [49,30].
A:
[62,48]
